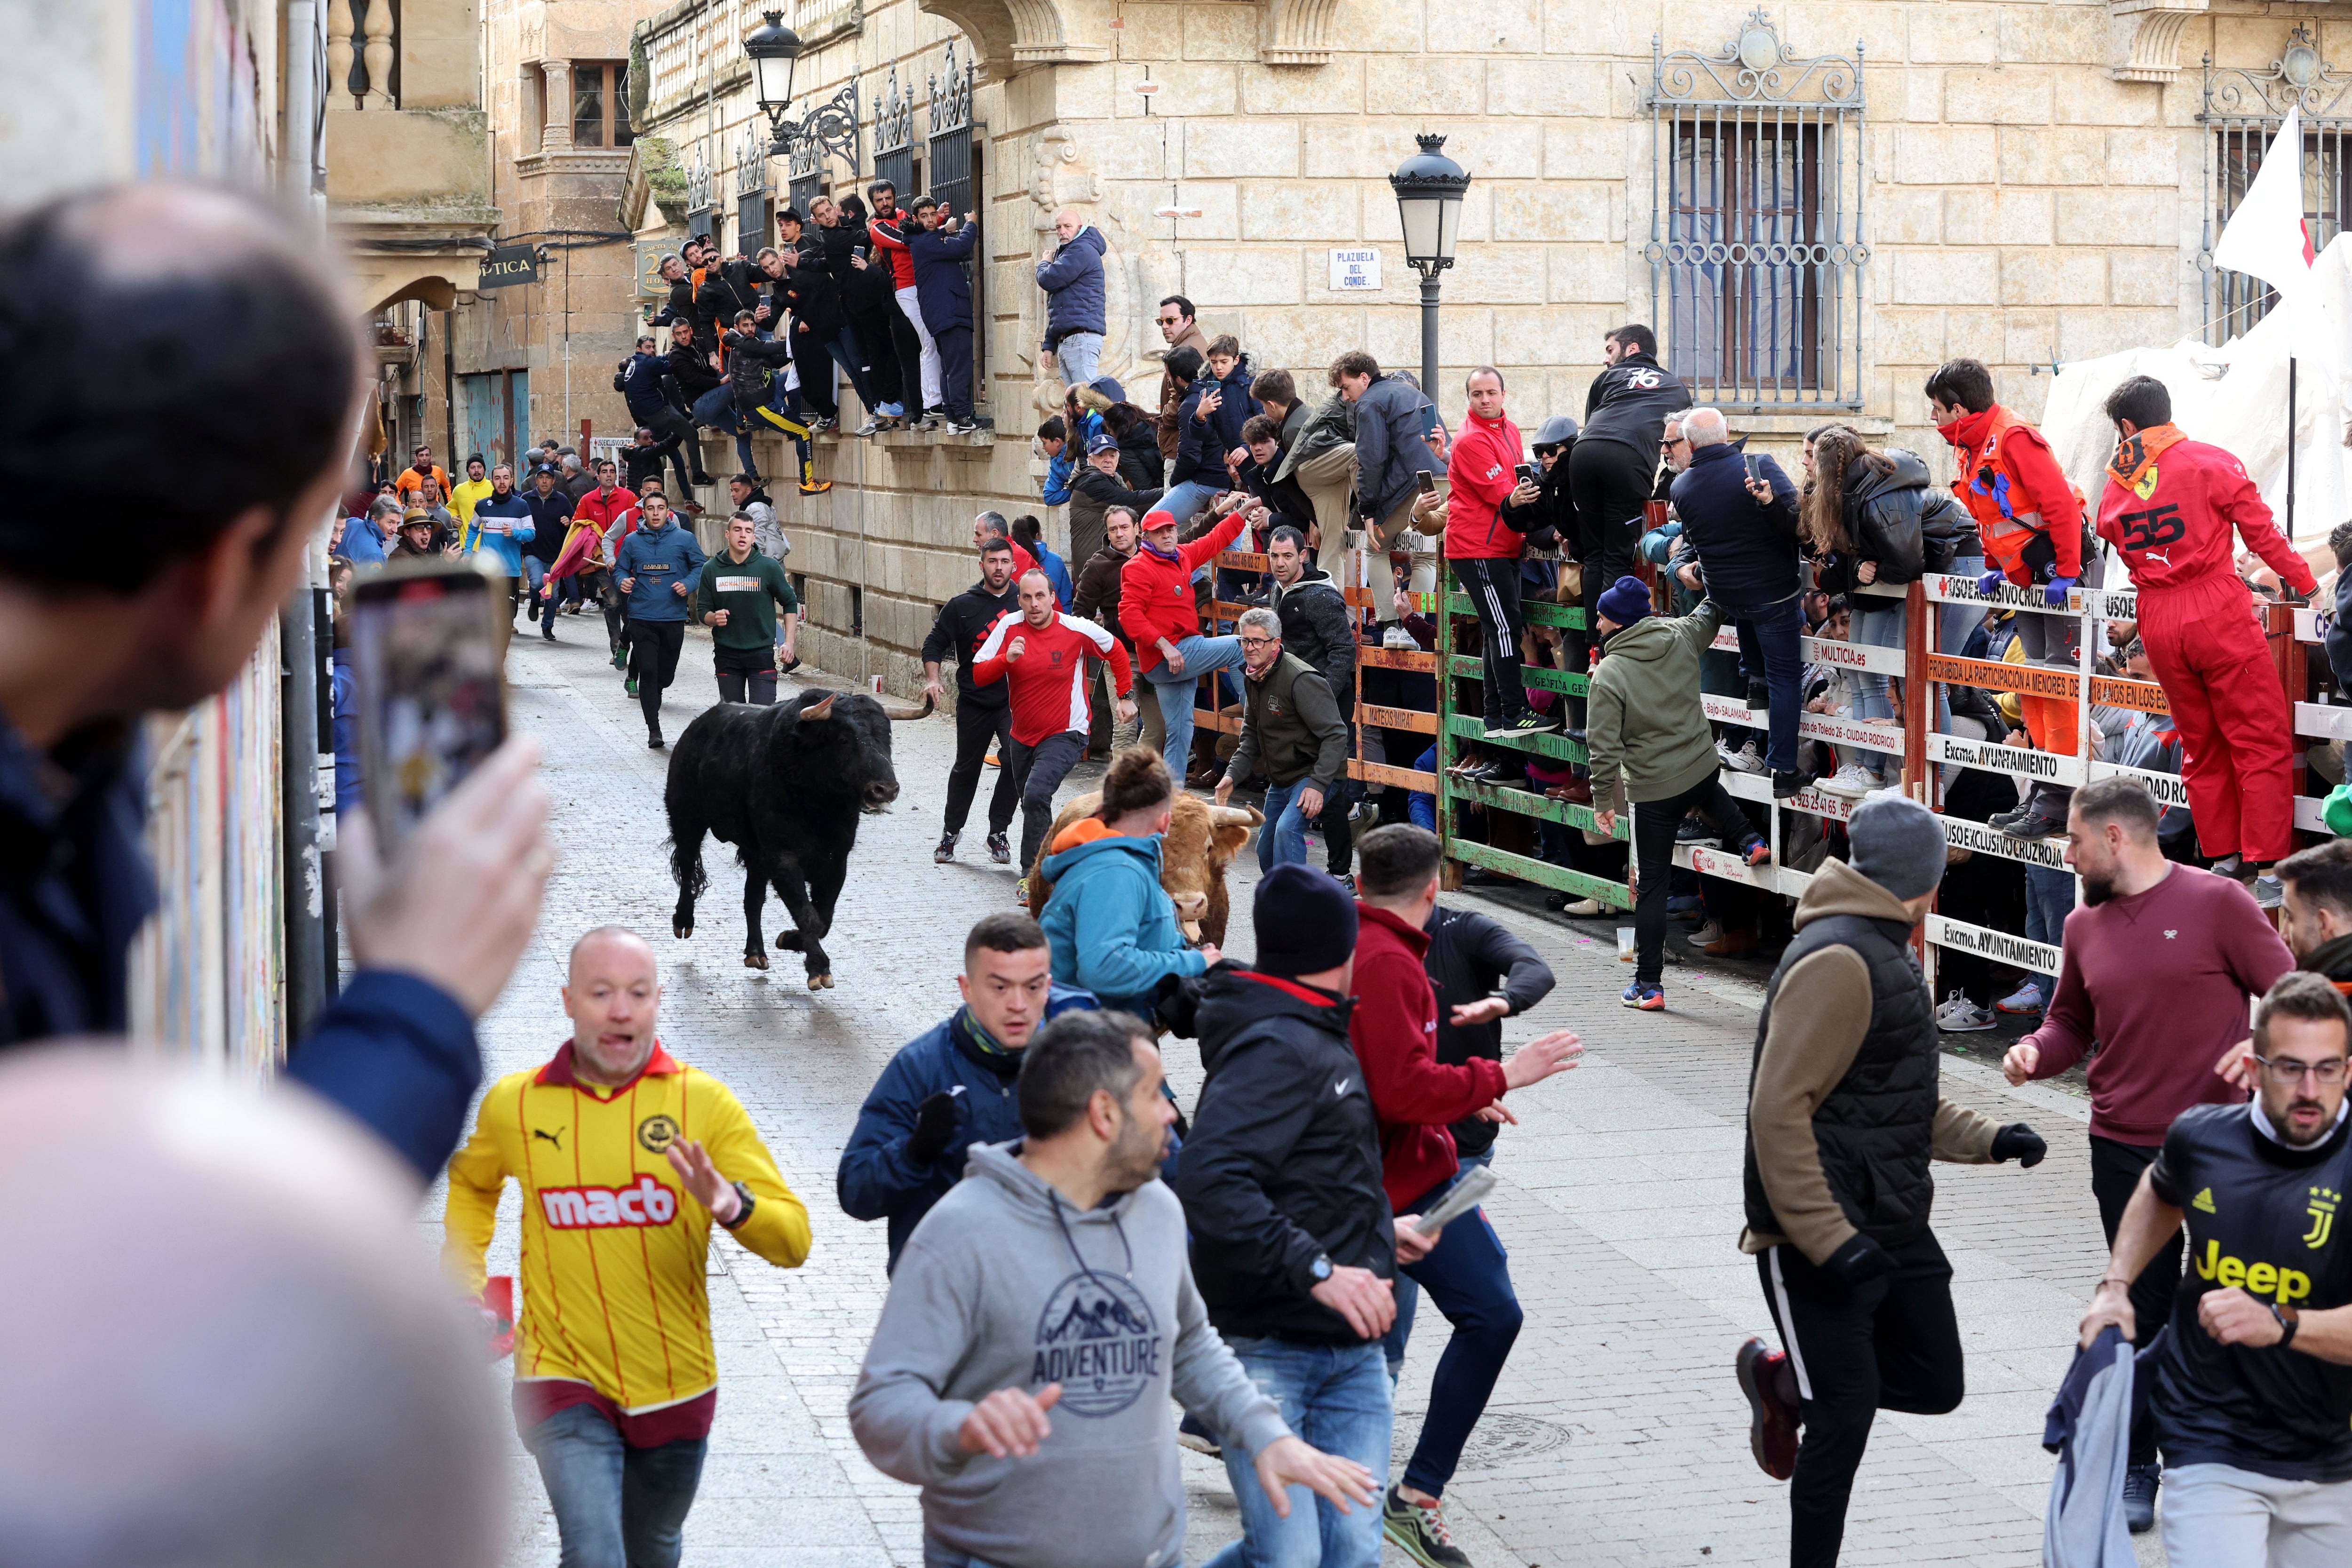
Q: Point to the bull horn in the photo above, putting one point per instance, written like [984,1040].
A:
[1235,816]
[922,712]
[820,708]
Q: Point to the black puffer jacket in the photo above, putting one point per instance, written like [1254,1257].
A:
[1896,519]
[1629,402]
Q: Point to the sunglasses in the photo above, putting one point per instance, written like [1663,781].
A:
[1170,321]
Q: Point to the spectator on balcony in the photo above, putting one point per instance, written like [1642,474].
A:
[874,322]
[1739,517]
[940,247]
[1209,430]
[802,276]
[1073,280]
[696,369]
[224,426]
[679,306]
[918,356]
[648,384]
[1393,423]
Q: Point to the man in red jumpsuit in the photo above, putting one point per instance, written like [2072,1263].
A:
[2029,517]
[2170,506]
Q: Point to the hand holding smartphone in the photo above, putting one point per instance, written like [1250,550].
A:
[431,691]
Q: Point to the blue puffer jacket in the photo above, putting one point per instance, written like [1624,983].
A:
[656,559]
[647,386]
[1746,553]
[1111,926]
[877,1180]
[1073,280]
[942,290]
[1201,445]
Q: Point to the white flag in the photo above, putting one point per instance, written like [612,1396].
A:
[2265,238]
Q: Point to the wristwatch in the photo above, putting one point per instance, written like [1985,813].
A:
[744,1212]
[2289,1320]
[1321,1268]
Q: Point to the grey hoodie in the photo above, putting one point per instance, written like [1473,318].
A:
[1005,1285]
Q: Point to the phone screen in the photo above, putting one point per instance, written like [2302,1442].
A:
[432,702]
[1426,480]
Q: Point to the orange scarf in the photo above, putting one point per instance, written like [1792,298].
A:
[2136,455]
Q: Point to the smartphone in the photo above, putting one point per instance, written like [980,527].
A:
[432,696]
[1755,464]
[1426,481]
[1527,472]
[858,251]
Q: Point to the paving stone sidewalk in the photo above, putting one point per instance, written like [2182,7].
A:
[1616,1436]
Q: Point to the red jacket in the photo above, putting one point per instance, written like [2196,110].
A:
[1394,1031]
[2173,521]
[1049,679]
[1480,471]
[2007,476]
[887,240]
[598,508]
[1155,595]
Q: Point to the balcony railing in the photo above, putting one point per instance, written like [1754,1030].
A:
[364,51]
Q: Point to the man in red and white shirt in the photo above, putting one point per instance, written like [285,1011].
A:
[2171,509]
[1043,654]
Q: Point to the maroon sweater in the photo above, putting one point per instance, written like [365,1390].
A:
[1394,1031]
[2161,980]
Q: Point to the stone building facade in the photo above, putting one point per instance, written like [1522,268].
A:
[1814,203]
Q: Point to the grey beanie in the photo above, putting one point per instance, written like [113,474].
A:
[1897,844]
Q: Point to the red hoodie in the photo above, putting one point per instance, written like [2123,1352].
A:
[1394,1031]
[1480,471]
[1155,595]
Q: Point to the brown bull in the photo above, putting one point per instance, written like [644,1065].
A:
[1200,842]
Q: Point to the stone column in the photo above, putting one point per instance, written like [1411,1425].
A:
[555,133]
[377,54]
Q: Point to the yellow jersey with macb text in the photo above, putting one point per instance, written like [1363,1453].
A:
[614,1246]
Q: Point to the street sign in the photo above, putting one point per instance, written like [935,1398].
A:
[1356,268]
[507,266]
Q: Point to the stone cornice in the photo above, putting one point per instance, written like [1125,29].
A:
[607,161]
[2144,36]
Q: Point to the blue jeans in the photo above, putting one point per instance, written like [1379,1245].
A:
[1181,501]
[1468,1276]
[1769,651]
[1335,1398]
[615,1507]
[1202,657]
[2049,899]
[852,359]
[1283,840]
[1078,356]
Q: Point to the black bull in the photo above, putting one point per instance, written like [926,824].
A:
[784,784]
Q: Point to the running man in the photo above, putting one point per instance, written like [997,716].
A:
[983,714]
[1042,656]
[626,1157]
[656,569]
[739,599]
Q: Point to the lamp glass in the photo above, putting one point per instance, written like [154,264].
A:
[1425,227]
[1449,225]
[771,79]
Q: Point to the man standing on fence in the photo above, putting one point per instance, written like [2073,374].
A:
[2142,916]
[1613,466]
[1646,724]
[2171,507]
[2029,517]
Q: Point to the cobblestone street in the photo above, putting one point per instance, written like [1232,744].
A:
[1617,1435]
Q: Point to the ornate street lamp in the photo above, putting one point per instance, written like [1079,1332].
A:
[1429,187]
[774,49]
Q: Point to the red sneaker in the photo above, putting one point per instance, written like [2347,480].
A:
[1765,1377]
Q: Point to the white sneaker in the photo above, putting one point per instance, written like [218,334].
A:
[1851,781]
[2026,998]
[1396,636]
[1710,933]
[1585,908]
[1748,759]
[1958,1016]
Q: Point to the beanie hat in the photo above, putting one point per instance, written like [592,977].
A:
[1625,601]
[1897,844]
[1305,922]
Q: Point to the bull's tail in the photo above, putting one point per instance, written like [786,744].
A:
[685,862]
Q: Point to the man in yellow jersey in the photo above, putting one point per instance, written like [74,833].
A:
[626,1156]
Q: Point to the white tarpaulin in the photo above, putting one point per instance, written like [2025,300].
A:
[2235,397]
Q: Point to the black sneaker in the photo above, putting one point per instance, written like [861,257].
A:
[1694,832]
[2140,1482]
[1786,785]
[1760,696]
[1419,1532]
[946,851]
[654,742]
[2033,826]
[547,627]
[1531,722]
[2000,821]
[2232,866]
[1000,849]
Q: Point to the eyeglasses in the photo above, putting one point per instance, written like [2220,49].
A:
[1168,321]
[2285,1071]
[1260,642]
[1670,442]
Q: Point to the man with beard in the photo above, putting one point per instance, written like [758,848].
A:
[984,713]
[2253,1398]
[2159,967]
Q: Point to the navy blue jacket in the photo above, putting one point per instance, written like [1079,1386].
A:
[656,561]
[941,289]
[550,521]
[647,384]
[1746,553]
[1201,445]
[395,1051]
[1073,280]
[877,1180]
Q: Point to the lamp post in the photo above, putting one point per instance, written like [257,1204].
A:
[774,49]
[1429,187]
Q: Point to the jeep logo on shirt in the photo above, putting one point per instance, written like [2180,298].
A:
[2257,1278]
[648,1201]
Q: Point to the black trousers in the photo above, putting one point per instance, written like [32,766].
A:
[666,422]
[1492,584]
[977,725]
[745,675]
[654,647]
[1892,1345]
[815,363]
[1610,483]
[2115,1170]
[878,338]
[1654,823]
[615,607]
[909,350]
[1037,772]
[955,370]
